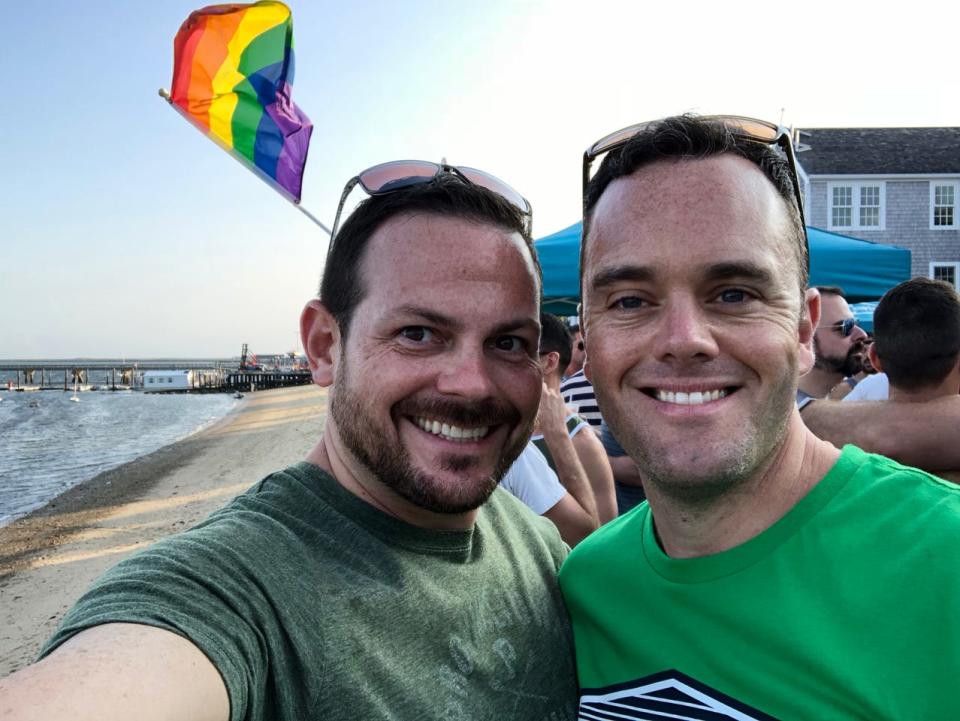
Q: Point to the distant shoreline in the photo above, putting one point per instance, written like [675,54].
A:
[51,555]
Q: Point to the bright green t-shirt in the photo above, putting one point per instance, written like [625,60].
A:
[313,604]
[843,609]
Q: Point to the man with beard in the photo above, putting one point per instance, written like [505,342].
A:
[386,577]
[770,574]
[838,347]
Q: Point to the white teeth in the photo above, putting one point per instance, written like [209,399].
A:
[696,398]
[452,433]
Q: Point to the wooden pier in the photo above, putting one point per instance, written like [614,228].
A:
[204,376]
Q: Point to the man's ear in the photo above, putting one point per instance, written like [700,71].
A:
[809,319]
[550,362]
[874,358]
[320,336]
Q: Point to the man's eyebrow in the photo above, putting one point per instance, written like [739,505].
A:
[515,325]
[430,316]
[739,269]
[441,321]
[620,273]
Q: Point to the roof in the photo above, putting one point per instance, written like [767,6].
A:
[879,151]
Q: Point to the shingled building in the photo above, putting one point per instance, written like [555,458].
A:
[898,186]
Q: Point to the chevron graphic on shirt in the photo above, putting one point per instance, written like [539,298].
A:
[665,696]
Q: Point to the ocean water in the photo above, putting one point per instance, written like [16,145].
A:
[45,450]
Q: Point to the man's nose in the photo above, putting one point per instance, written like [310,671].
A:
[858,334]
[465,372]
[683,332]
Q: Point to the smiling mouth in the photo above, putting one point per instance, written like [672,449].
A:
[693,398]
[449,432]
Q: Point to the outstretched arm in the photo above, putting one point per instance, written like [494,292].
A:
[925,435]
[117,671]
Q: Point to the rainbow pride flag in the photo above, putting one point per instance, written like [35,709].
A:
[232,78]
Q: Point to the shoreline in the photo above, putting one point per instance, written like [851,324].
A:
[96,479]
[51,555]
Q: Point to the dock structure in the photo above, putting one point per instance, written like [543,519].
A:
[205,376]
[247,380]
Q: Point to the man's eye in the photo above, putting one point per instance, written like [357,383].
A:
[417,333]
[733,296]
[628,302]
[510,343]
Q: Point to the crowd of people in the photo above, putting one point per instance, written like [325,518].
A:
[746,544]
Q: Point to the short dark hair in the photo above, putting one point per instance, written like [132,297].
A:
[342,286]
[556,338]
[917,333]
[689,136]
[831,290]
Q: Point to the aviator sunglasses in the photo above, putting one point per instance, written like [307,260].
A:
[759,131]
[397,174]
[845,327]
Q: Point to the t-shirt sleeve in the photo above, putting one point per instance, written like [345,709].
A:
[192,585]
[531,479]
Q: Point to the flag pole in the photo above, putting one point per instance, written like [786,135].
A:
[230,151]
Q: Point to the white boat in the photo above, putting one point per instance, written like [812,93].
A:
[74,397]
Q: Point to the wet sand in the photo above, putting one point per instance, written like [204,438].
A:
[48,558]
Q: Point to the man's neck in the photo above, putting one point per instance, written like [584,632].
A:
[942,390]
[689,531]
[818,382]
[330,455]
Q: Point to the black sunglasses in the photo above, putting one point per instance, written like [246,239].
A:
[397,174]
[759,131]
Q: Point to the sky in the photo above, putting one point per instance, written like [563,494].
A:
[124,232]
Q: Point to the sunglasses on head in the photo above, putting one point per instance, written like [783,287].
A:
[751,129]
[845,327]
[398,174]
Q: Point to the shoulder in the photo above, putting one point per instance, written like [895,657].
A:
[520,527]
[531,467]
[533,481]
[605,547]
[887,470]
[874,387]
[575,424]
[900,493]
[578,381]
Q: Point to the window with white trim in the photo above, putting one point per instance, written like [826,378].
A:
[943,205]
[856,206]
[947,272]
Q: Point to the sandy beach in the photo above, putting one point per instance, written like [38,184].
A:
[48,558]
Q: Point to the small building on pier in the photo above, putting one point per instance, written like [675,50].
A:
[165,381]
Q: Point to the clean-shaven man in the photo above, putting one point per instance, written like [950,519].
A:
[770,574]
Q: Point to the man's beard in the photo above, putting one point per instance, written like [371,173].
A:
[390,463]
[848,365]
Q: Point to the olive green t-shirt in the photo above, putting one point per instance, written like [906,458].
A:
[313,604]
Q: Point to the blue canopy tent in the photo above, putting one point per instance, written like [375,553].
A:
[863,269]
